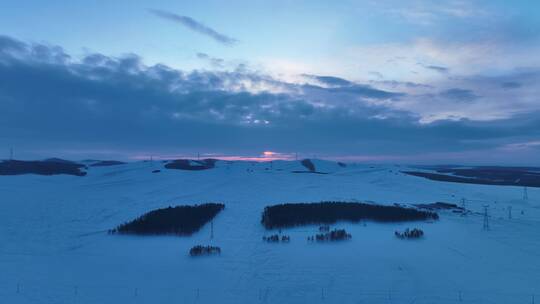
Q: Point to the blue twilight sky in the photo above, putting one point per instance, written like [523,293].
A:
[379,81]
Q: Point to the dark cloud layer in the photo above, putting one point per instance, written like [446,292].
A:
[51,102]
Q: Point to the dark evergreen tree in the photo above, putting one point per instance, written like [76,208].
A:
[410,234]
[204,250]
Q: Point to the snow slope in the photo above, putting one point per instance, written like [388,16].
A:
[54,247]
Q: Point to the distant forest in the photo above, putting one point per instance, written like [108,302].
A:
[192,165]
[179,220]
[106,163]
[290,215]
[502,176]
[41,167]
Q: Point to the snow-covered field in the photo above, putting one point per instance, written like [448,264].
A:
[54,246]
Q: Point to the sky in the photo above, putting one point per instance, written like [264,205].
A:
[416,82]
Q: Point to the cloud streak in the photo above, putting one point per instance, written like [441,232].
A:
[195,26]
[437,68]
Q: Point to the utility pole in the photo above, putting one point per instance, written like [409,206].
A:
[10,153]
[296,156]
[509,212]
[486,217]
[463,202]
[211,229]
[525,194]
[198,156]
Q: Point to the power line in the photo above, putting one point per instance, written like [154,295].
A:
[486,217]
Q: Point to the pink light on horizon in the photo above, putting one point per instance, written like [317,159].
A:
[265,156]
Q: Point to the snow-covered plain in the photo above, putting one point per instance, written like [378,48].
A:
[54,246]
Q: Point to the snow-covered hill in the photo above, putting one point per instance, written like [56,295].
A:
[54,246]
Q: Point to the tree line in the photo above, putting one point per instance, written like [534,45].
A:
[297,214]
[179,220]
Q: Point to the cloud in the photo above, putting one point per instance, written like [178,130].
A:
[394,84]
[343,86]
[478,97]
[510,85]
[428,13]
[215,62]
[437,68]
[522,146]
[376,74]
[504,78]
[329,80]
[55,105]
[458,94]
[194,25]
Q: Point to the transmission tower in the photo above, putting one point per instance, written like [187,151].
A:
[525,193]
[10,153]
[211,229]
[509,212]
[463,203]
[486,217]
